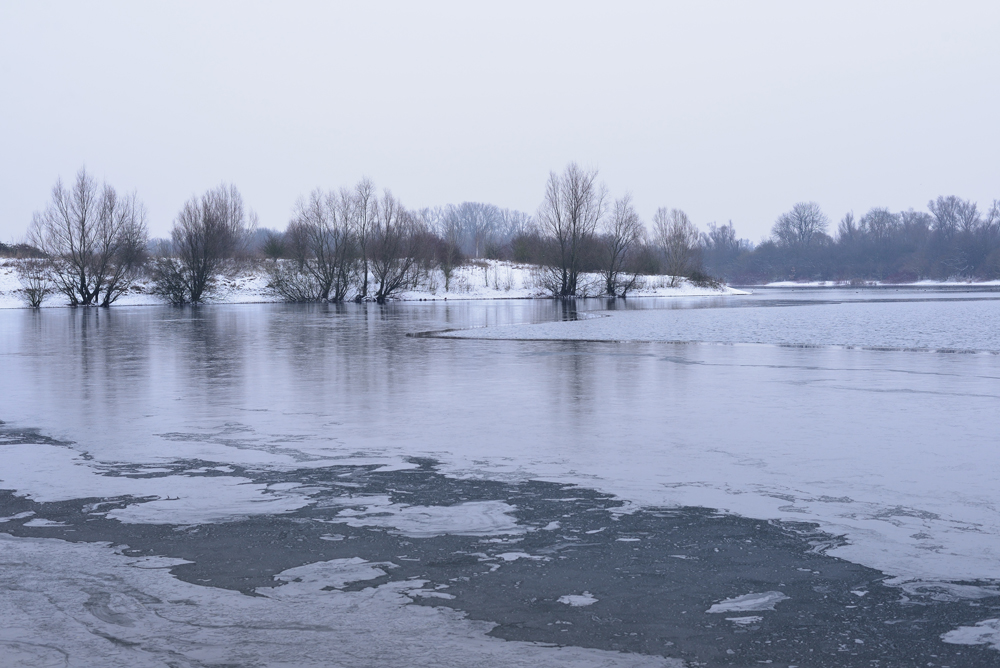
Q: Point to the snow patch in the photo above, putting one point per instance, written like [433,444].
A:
[479,279]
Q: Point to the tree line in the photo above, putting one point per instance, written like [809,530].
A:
[91,244]
[953,239]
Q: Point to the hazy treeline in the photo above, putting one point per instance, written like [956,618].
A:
[91,244]
[953,239]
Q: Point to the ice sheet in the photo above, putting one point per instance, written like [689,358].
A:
[49,473]
[83,606]
[986,632]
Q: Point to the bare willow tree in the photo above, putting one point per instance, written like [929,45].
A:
[574,204]
[94,238]
[275,245]
[804,225]
[449,230]
[677,238]
[622,232]
[361,214]
[208,232]
[35,276]
[327,264]
[391,246]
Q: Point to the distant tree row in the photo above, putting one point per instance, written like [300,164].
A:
[954,239]
[91,244]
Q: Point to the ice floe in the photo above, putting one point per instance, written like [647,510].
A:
[750,602]
[475,518]
[745,621]
[986,632]
[948,592]
[578,600]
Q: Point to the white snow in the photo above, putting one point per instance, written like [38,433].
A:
[479,279]
[82,605]
[496,279]
[750,602]
[578,600]
[986,632]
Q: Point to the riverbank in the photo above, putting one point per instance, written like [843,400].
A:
[481,279]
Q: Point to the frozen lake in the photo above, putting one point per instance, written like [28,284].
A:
[858,426]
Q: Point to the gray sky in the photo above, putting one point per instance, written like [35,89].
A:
[726,110]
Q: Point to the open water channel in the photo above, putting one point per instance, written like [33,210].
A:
[798,477]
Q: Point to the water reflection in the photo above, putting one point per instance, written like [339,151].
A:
[719,425]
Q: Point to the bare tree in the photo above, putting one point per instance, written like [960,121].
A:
[847,230]
[207,233]
[391,246]
[677,238]
[327,265]
[574,204]
[449,231]
[622,231]
[721,249]
[35,277]
[362,213]
[804,225]
[95,239]
[962,239]
[275,246]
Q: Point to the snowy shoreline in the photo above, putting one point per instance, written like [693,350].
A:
[879,284]
[481,279]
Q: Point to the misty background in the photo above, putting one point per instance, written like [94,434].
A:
[728,111]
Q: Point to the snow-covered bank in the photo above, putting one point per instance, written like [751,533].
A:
[481,279]
[927,283]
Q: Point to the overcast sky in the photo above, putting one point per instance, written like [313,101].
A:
[726,110]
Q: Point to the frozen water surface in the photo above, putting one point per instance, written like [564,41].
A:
[72,604]
[849,409]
